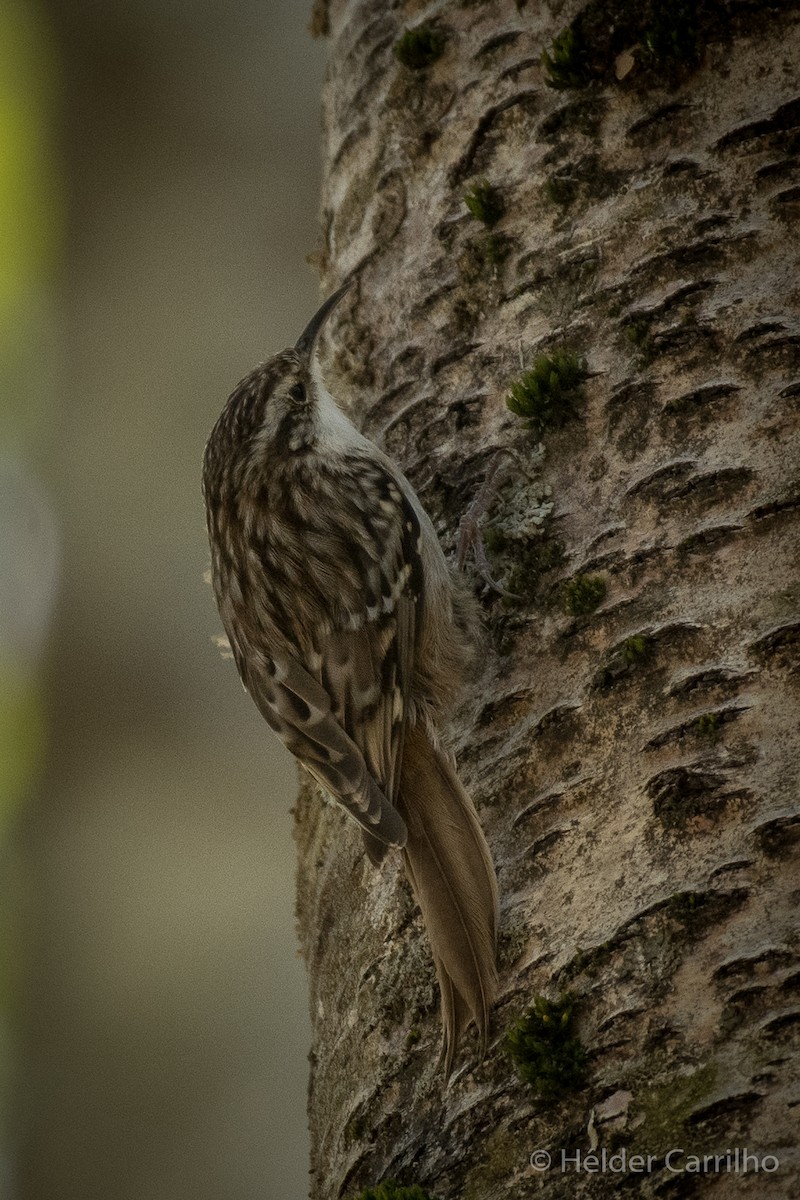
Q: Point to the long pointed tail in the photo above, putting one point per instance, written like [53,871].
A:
[450,870]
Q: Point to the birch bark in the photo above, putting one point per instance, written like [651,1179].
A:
[634,765]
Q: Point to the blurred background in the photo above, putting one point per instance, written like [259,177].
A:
[158,199]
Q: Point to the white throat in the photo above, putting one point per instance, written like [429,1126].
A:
[335,431]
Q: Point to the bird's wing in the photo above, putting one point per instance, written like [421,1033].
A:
[298,708]
[367,668]
[338,694]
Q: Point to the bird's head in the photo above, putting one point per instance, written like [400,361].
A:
[273,410]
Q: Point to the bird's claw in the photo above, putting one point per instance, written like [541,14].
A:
[469,534]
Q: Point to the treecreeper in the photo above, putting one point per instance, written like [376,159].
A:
[352,633]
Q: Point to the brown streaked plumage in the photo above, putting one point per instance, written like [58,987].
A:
[351,634]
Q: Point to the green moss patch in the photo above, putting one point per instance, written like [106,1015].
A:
[565,63]
[582,594]
[545,1049]
[389,1190]
[485,203]
[551,393]
[419,47]
[666,36]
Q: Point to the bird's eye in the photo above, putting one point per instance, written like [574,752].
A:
[297,392]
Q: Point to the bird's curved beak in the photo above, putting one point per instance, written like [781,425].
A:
[307,340]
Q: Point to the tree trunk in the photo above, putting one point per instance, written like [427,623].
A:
[632,739]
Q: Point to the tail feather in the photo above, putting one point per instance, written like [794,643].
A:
[450,870]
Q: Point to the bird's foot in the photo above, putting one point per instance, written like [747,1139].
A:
[469,533]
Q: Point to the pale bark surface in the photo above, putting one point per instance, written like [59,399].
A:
[643,815]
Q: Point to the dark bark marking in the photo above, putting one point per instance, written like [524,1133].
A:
[693,402]
[546,840]
[761,329]
[691,728]
[454,355]
[778,836]
[713,486]
[351,139]
[785,119]
[777,643]
[659,122]
[525,64]
[554,797]
[464,164]
[779,1022]
[745,966]
[391,208]
[706,537]
[661,482]
[633,399]
[725,1106]
[716,678]
[505,709]
[775,508]
[498,42]
[737,864]
[673,299]
[684,166]
[697,337]
[700,253]
[777,170]
[693,912]
[786,204]
[681,794]
[774,353]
